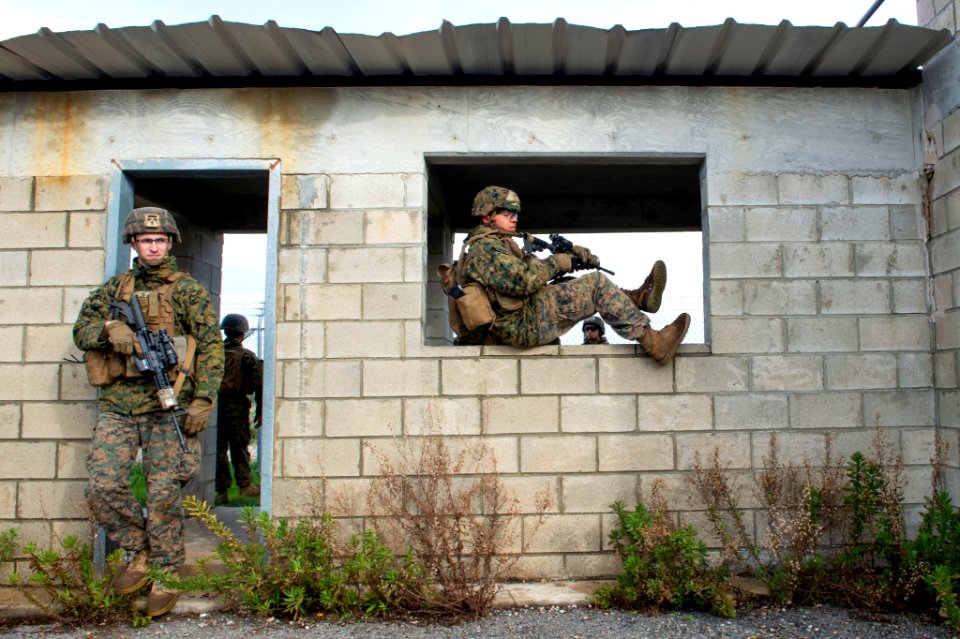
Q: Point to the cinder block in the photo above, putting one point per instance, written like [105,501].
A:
[393,227]
[592,566]
[822,334]
[787,372]
[635,452]
[948,330]
[521,414]
[796,188]
[10,421]
[828,411]
[746,335]
[401,378]
[329,379]
[598,413]
[725,224]
[919,446]
[726,297]
[557,454]
[831,259]
[73,299]
[901,259]
[898,333]
[369,264]
[314,340]
[16,194]
[11,343]
[58,420]
[734,449]
[73,381]
[364,339]
[31,306]
[332,227]
[915,370]
[563,533]
[392,301]
[861,371]
[51,500]
[367,190]
[633,375]
[898,189]
[480,377]
[8,500]
[727,189]
[363,417]
[791,297]
[709,374]
[66,268]
[332,301]
[792,447]
[413,261]
[464,455]
[302,265]
[20,382]
[855,297]
[299,497]
[558,376]
[739,261]
[415,186]
[13,268]
[72,459]
[47,343]
[751,411]
[304,192]
[86,230]
[287,340]
[298,418]
[906,222]
[35,460]
[909,296]
[770,224]
[595,493]
[945,369]
[442,416]
[855,223]
[531,493]
[944,253]
[900,408]
[668,413]
[71,193]
[34,230]
[321,457]
[530,567]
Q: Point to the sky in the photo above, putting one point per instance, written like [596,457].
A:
[22,17]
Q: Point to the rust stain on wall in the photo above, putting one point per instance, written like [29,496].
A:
[59,134]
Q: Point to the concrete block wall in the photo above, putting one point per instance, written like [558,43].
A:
[51,256]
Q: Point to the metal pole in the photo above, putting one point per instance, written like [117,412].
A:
[870,12]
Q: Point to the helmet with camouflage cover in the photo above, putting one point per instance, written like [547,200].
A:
[150,219]
[596,322]
[494,198]
[235,322]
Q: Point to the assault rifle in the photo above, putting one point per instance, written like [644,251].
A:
[153,358]
[557,244]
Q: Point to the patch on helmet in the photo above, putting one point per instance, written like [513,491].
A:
[151,221]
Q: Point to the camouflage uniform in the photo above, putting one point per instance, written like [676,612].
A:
[233,418]
[545,311]
[130,419]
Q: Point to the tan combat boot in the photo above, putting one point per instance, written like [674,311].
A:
[161,599]
[650,294]
[662,345]
[250,491]
[134,576]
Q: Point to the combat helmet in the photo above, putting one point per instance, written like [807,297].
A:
[594,321]
[235,322]
[150,219]
[492,198]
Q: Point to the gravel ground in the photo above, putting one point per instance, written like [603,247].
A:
[532,623]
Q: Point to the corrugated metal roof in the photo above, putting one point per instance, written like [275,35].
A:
[218,53]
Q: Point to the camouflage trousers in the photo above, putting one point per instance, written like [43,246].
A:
[116,442]
[557,308]
[233,437]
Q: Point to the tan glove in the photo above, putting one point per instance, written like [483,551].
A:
[121,337]
[564,261]
[198,413]
[587,259]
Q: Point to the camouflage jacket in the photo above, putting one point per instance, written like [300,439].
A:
[194,315]
[514,282]
[251,379]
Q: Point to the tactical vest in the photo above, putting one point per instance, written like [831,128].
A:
[232,371]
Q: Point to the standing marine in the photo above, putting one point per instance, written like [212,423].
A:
[530,310]
[130,418]
[242,377]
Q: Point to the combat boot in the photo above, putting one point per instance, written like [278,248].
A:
[221,499]
[250,491]
[650,294]
[161,599]
[662,345]
[134,576]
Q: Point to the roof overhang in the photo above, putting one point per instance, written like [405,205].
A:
[215,53]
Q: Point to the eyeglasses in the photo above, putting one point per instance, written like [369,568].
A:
[158,241]
[508,214]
